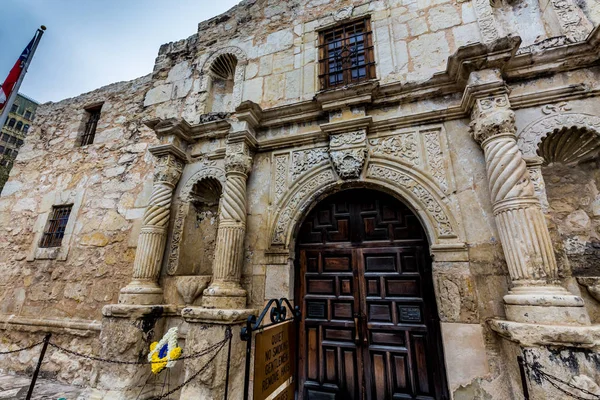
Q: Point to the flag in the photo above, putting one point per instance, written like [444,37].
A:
[14,74]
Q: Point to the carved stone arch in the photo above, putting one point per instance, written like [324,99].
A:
[206,172]
[414,189]
[530,138]
[182,209]
[238,78]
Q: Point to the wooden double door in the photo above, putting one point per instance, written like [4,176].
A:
[370,328]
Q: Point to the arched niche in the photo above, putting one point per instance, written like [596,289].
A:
[223,79]
[194,230]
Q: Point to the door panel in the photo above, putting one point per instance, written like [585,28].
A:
[370,329]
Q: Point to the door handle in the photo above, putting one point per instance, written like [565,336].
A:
[356,329]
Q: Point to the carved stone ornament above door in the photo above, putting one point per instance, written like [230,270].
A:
[348,152]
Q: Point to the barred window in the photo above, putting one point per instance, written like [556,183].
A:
[87,137]
[346,54]
[55,228]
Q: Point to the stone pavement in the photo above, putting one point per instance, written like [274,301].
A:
[16,387]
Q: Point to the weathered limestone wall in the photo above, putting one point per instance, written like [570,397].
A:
[112,178]
[278,42]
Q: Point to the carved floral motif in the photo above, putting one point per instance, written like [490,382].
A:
[174,251]
[305,160]
[281,172]
[444,227]
[486,21]
[492,116]
[168,169]
[401,146]
[435,157]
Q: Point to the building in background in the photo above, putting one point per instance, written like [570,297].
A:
[14,132]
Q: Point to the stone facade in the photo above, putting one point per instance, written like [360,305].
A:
[186,208]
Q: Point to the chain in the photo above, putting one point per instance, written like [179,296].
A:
[94,358]
[22,349]
[201,370]
[553,379]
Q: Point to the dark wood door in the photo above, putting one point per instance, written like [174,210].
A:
[369,327]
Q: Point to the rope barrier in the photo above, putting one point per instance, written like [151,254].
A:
[555,381]
[21,349]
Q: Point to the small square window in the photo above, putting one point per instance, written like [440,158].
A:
[14,108]
[87,137]
[346,54]
[55,228]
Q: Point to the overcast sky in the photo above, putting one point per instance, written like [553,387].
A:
[91,43]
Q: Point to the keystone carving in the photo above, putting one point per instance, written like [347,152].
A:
[348,152]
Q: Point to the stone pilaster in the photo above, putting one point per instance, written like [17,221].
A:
[225,290]
[535,296]
[144,288]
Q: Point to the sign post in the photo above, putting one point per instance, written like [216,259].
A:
[275,351]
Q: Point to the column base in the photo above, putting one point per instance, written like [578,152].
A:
[224,295]
[545,305]
[141,293]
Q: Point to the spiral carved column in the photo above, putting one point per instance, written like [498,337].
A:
[144,288]
[535,295]
[225,290]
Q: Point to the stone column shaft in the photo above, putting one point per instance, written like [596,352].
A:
[144,289]
[225,290]
[535,295]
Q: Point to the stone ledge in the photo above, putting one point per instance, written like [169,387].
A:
[63,325]
[216,316]
[138,311]
[547,335]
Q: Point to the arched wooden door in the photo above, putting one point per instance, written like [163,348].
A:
[370,327]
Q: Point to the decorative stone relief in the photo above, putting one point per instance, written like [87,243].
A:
[574,24]
[530,138]
[486,21]
[348,152]
[443,225]
[176,237]
[435,157]
[191,287]
[539,186]
[292,208]
[240,70]
[209,170]
[304,160]
[343,13]
[281,173]
[401,146]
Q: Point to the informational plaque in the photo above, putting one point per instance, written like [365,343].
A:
[274,360]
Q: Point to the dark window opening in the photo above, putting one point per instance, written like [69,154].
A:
[26,128]
[8,152]
[55,229]
[12,122]
[28,115]
[14,108]
[2,149]
[346,54]
[19,142]
[19,126]
[12,140]
[89,133]
[5,137]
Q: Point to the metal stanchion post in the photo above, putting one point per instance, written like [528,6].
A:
[39,365]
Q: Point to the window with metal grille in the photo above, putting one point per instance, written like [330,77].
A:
[346,54]
[55,228]
[87,137]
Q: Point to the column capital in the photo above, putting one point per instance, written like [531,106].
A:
[492,116]
[168,169]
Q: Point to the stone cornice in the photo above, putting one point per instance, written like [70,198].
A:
[347,125]
[351,95]
[166,149]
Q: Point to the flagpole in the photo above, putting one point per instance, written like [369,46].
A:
[15,90]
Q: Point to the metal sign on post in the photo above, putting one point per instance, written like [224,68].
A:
[274,358]
[275,351]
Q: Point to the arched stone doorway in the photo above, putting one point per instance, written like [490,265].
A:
[370,326]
